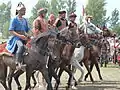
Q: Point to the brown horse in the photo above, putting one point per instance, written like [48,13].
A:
[94,52]
[90,55]
[69,36]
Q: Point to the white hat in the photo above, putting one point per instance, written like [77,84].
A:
[20,6]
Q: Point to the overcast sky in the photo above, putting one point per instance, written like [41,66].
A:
[110,6]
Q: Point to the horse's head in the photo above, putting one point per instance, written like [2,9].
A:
[54,47]
[68,35]
[48,43]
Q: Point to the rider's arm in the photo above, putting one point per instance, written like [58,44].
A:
[23,37]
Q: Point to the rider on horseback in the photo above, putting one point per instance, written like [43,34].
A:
[72,18]
[19,29]
[61,21]
[40,25]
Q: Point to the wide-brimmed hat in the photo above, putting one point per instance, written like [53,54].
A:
[42,11]
[72,15]
[62,11]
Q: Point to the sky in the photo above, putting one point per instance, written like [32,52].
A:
[110,6]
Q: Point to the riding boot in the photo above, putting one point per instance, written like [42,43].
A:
[19,62]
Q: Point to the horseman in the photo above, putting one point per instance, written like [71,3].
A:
[40,25]
[51,21]
[88,19]
[61,21]
[18,29]
[73,26]
[72,18]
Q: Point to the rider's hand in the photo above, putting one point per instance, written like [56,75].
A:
[23,37]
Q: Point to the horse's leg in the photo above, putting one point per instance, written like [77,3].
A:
[53,73]
[16,76]
[4,84]
[70,77]
[77,65]
[10,75]
[28,76]
[73,72]
[45,74]
[3,76]
[98,69]
[59,75]
[101,61]
[88,69]
[91,67]
[34,80]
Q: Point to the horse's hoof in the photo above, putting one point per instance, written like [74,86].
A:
[80,80]
[76,83]
[84,79]
[19,88]
[74,87]
[101,78]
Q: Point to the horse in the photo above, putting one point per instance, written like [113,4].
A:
[3,71]
[91,30]
[35,60]
[69,36]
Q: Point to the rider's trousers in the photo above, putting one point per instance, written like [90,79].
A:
[20,51]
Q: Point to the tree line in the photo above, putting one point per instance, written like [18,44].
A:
[96,8]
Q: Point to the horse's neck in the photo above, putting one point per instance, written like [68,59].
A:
[68,50]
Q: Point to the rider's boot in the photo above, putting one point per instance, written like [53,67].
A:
[19,62]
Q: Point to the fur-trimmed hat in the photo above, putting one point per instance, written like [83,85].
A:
[62,11]
[42,11]
[72,15]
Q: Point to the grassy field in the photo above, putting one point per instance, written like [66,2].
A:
[110,74]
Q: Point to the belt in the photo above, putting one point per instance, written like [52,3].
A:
[21,32]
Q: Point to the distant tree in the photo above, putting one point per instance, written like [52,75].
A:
[115,18]
[5,15]
[96,8]
[114,21]
[56,5]
[71,6]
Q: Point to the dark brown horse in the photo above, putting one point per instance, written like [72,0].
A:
[92,57]
[35,60]
[69,37]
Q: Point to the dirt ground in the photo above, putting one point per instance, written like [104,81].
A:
[111,80]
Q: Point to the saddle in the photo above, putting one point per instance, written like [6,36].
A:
[4,51]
